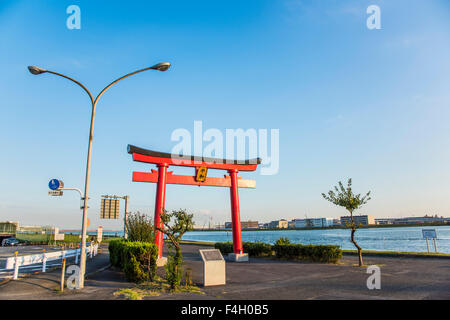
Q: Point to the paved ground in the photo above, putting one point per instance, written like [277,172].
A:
[401,278]
[45,285]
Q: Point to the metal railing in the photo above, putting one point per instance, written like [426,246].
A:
[46,259]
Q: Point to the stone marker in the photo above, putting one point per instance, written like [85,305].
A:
[213,267]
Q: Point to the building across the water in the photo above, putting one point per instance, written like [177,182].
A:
[279,224]
[314,222]
[249,224]
[365,220]
[244,225]
[424,219]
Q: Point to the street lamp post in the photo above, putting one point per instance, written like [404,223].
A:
[36,71]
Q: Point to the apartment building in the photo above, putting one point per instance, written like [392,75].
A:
[314,222]
[365,220]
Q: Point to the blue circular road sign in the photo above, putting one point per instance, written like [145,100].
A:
[54,184]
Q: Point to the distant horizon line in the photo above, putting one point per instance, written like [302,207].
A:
[249,220]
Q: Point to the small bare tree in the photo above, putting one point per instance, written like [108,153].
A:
[344,197]
[176,224]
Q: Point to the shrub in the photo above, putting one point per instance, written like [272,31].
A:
[257,249]
[137,259]
[224,247]
[133,271]
[140,228]
[254,249]
[283,241]
[115,252]
[315,253]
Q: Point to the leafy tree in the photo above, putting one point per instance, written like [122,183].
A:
[140,228]
[344,197]
[182,222]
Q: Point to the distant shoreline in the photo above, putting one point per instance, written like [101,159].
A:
[402,225]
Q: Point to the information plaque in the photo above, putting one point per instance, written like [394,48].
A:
[429,233]
[213,267]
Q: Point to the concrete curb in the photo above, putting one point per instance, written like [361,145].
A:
[197,244]
[97,271]
[396,255]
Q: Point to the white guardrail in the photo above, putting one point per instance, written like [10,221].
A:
[14,263]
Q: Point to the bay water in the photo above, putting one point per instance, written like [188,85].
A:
[408,239]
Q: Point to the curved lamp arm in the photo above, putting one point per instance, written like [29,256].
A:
[36,71]
[163,66]
[115,81]
[77,82]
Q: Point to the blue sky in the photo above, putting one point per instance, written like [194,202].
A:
[348,101]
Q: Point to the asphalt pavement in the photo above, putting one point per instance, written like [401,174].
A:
[261,279]
[39,285]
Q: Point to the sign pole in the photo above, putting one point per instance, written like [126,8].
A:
[430,234]
[125,218]
[63,270]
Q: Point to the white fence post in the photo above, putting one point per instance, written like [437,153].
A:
[16,266]
[76,256]
[44,261]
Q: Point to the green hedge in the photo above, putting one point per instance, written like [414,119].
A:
[316,253]
[254,249]
[115,252]
[257,249]
[224,247]
[137,259]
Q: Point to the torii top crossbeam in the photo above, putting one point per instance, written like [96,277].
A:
[201,165]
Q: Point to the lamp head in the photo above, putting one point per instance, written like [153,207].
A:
[163,66]
[36,70]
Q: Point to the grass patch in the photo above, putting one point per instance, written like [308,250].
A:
[155,288]
[131,294]
[108,239]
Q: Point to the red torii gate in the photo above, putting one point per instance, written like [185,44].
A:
[163,177]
